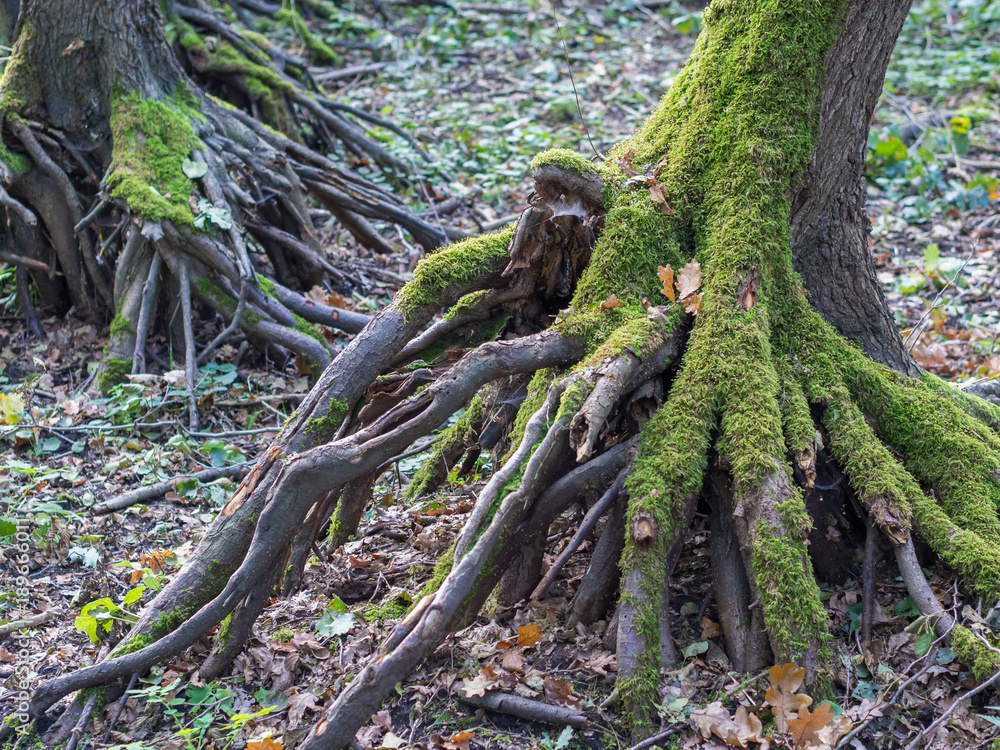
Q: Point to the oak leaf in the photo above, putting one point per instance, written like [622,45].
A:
[512,660]
[265,744]
[818,730]
[656,193]
[692,303]
[736,731]
[611,302]
[689,279]
[781,696]
[666,275]
[710,628]
[528,635]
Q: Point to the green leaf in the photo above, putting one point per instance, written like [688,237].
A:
[334,623]
[194,169]
[7,527]
[87,624]
[698,647]
[932,254]
[133,596]
[562,741]
[51,445]
[923,643]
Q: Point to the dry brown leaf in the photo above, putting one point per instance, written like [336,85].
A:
[478,685]
[709,629]
[265,744]
[559,691]
[625,163]
[692,303]
[819,730]
[611,302]
[528,635]
[736,731]
[459,741]
[689,279]
[512,660]
[666,275]
[781,696]
[656,193]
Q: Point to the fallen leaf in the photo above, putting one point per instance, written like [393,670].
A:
[820,729]
[478,685]
[265,744]
[689,279]
[692,303]
[611,302]
[710,628]
[666,275]
[458,741]
[782,696]
[559,691]
[735,731]
[392,741]
[528,635]
[512,660]
[656,193]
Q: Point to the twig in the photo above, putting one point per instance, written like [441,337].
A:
[141,494]
[353,70]
[650,741]
[229,329]
[934,302]
[576,96]
[525,708]
[121,706]
[149,293]
[190,358]
[82,722]
[27,622]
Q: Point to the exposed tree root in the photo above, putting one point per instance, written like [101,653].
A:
[192,187]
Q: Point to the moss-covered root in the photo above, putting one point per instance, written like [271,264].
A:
[447,448]
[662,488]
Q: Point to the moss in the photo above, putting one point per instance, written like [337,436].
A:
[20,85]
[18,163]
[392,608]
[460,264]
[467,305]
[565,159]
[973,653]
[225,631]
[120,325]
[306,328]
[974,406]
[441,570]
[101,694]
[446,443]
[151,140]
[113,372]
[323,428]
[283,635]
[321,51]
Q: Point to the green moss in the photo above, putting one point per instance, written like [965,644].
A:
[566,159]
[20,85]
[467,305]
[113,372]
[120,325]
[441,570]
[321,51]
[457,265]
[283,635]
[392,608]
[18,163]
[450,440]
[973,653]
[974,406]
[151,140]
[306,328]
[323,428]
[225,631]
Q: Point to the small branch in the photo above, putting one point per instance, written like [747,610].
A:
[525,708]
[586,526]
[87,220]
[656,738]
[121,706]
[353,70]
[153,491]
[190,358]
[28,622]
[81,723]
[229,329]
[868,581]
[149,294]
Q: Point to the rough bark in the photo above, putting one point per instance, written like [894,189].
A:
[829,219]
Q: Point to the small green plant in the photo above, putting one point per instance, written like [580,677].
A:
[98,617]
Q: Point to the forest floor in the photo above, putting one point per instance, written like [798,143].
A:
[484,88]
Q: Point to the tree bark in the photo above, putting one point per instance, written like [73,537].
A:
[829,219]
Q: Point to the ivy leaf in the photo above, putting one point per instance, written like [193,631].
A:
[334,623]
[218,215]
[666,275]
[194,169]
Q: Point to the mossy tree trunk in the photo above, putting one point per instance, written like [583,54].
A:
[750,163]
[120,176]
